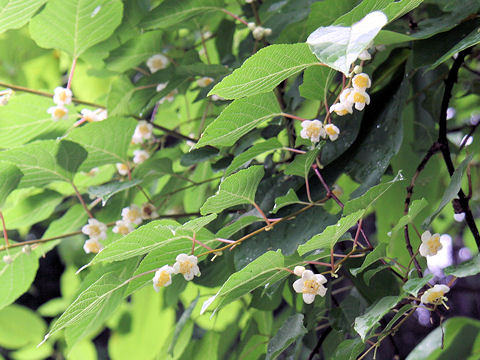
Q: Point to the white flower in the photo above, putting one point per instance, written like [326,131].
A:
[93,115]
[163,277]
[122,169]
[204,81]
[161,86]
[187,266]
[139,156]
[313,130]
[149,211]
[310,285]
[58,112]
[341,109]
[360,98]
[157,62]
[361,81]
[62,96]
[451,112]
[169,97]
[299,270]
[92,246]
[249,1]
[122,227]
[332,131]
[364,55]
[132,215]
[345,98]
[435,295]
[7,259]
[430,244]
[459,217]
[5,96]
[143,131]
[95,229]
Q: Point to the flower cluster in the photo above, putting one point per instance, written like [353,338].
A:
[134,215]
[309,284]
[61,97]
[184,264]
[169,97]
[355,96]
[96,231]
[314,130]
[259,32]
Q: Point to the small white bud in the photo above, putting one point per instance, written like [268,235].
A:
[27,249]
[357,69]
[251,26]
[7,259]
[299,270]
[267,32]
[459,217]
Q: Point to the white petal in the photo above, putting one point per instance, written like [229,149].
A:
[308,298]
[298,285]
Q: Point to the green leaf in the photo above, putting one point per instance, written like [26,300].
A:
[376,254]
[302,164]
[264,70]
[19,327]
[75,25]
[153,169]
[16,13]
[256,150]
[197,224]
[316,81]
[415,208]
[400,8]
[329,237]
[465,269]
[134,51]
[237,189]
[452,190]
[181,324]
[290,331]
[10,177]
[365,322]
[26,119]
[45,161]
[173,12]
[106,191]
[349,349]
[16,278]
[266,269]
[93,306]
[288,199]
[339,46]
[369,198]
[32,209]
[456,338]
[238,119]
[102,147]
[413,286]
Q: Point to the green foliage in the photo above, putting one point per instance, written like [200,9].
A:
[214,146]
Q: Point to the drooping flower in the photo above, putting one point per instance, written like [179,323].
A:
[62,96]
[310,285]
[92,246]
[204,81]
[361,81]
[163,277]
[5,96]
[341,109]
[435,295]
[430,244]
[58,112]
[95,229]
[149,211]
[143,131]
[139,156]
[313,130]
[122,168]
[332,131]
[122,227]
[187,266]
[360,98]
[157,62]
[299,270]
[169,97]
[93,115]
[132,215]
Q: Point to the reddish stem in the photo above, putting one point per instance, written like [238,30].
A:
[293,116]
[5,235]
[72,70]
[234,16]
[261,213]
